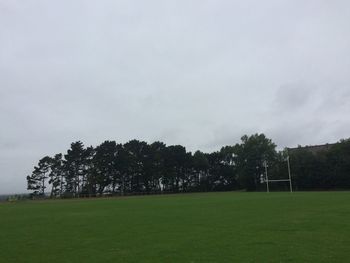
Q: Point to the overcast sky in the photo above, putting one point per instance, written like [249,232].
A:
[196,73]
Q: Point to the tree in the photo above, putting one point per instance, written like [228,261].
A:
[137,157]
[175,161]
[324,169]
[105,166]
[34,182]
[87,170]
[154,166]
[74,166]
[56,175]
[228,169]
[201,170]
[123,161]
[249,158]
[37,181]
[338,158]
[139,167]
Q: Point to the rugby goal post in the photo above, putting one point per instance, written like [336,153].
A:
[278,180]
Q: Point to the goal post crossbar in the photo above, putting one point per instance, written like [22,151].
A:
[278,180]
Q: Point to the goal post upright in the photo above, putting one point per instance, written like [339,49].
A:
[290,177]
[267,178]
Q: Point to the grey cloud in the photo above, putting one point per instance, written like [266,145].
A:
[196,73]
[292,97]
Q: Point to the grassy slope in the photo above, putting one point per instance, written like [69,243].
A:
[213,227]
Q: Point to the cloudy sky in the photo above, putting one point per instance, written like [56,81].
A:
[197,73]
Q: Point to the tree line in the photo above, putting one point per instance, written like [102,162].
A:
[137,167]
[323,170]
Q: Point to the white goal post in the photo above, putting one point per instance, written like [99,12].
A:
[278,180]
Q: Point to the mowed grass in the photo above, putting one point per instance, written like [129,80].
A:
[211,227]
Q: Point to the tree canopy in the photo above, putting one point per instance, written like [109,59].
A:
[137,167]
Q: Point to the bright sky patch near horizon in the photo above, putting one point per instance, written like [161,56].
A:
[196,73]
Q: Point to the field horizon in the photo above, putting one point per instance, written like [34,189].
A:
[193,227]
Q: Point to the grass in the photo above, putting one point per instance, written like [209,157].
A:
[211,227]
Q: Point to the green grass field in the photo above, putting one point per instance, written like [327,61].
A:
[212,227]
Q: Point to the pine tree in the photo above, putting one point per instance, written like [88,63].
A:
[74,166]
[56,175]
[37,181]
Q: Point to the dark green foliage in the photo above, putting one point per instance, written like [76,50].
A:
[141,168]
[201,167]
[154,166]
[322,170]
[56,175]
[250,156]
[37,181]
[105,170]
[74,168]
[176,173]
